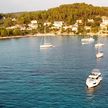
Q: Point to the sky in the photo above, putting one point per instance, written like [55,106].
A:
[8,6]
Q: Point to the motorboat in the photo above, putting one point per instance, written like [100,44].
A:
[94,78]
[46,45]
[99,45]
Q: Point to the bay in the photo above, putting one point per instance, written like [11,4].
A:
[31,77]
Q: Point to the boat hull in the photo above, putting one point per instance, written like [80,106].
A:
[87,40]
[46,45]
[93,83]
[99,55]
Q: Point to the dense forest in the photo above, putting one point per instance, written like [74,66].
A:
[68,13]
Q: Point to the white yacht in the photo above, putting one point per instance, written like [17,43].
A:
[94,78]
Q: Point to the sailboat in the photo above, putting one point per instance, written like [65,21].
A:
[88,40]
[99,44]
[99,53]
[45,44]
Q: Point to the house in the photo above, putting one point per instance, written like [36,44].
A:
[33,25]
[34,22]
[79,21]
[57,24]
[87,28]
[21,27]
[47,23]
[13,27]
[13,19]
[90,21]
[4,18]
[75,27]
[67,27]
[103,26]
[105,20]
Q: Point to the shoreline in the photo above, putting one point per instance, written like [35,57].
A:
[49,34]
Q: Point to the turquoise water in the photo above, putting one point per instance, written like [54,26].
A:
[31,77]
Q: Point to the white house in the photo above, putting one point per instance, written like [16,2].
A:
[90,20]
[13,19]
[58,24]
[21,27]
[34,22]
[105,20]
[47,23]
[67,27]
[4,18]
[104,23]
[87,27]
[103,26]
[13,27]
[75,27]
[79,21]
[33,25]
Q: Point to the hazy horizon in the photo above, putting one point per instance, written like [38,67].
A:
[11,6]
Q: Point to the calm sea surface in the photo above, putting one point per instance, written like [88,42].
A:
[31,77]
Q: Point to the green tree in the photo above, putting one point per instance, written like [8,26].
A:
[40,28]
[3,32]
[8,22]
[16,32]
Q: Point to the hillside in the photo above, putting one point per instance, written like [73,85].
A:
[18,23]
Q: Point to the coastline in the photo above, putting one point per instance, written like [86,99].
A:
[50,34]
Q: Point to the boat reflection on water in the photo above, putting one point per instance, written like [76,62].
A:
[91,91]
